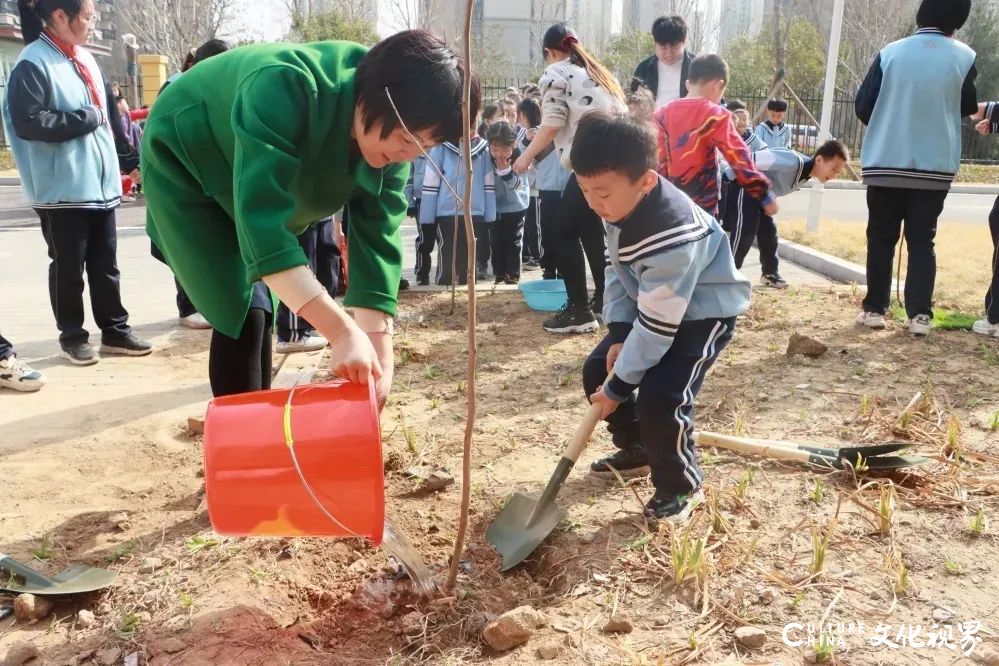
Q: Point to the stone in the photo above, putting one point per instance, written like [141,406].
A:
[19,653]
[986,655]
[548,651]
[588,537]
[751,637]
[512,628]
[431,479]
[358,567]
[942,614]
[768,595]
[619,624]
[85,618]
[150,564]
[411,623]
[120,521]
[755,523]
[29,608]
[172,645]
[196,425]
[109,657]
[806,346]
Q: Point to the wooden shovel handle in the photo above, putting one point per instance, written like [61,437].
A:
[582,434]
[744,445]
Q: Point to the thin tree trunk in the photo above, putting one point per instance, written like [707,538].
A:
[466,468]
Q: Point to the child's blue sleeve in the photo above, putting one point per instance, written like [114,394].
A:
[620,309]
[431,190]
[489,207]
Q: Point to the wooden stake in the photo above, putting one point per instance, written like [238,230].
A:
[466,467]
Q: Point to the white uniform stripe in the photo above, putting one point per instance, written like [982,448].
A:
[683,448]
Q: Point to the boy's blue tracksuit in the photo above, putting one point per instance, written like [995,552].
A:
[744,218]
[671,298]
[774,136]
[912,100]
[439,209]
[513,196]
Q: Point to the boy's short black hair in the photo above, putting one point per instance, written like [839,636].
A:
[777,104]
[735,105]
[947,15]
[415,66]
[668,30]
[613,141]
[833,148]
[708,67]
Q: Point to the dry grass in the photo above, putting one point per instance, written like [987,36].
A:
[987,174]
[964,257]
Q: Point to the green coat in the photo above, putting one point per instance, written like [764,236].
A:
[243,152]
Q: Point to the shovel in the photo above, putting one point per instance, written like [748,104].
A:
[76,579]
[829,458]
[525,522]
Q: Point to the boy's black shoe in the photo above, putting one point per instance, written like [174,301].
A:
[531,263]
[423,282]
[509,279]
[572,319]
[774,281]
[629,463]
[403,284]
[548,275]
[674,508]
[500,279]
[481,272]
[80,354]
[125,345]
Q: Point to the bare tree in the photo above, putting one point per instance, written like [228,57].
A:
[868,27]
[173,27]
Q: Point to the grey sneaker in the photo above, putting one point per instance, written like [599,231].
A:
[919,325]
[125,345]
[983,327]
[873,320]
[80,354]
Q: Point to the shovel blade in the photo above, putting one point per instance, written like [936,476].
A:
[77,579]
[521,527]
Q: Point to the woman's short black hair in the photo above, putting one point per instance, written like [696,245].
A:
[947,15]
[613,141]
[424,76]
[777,104]
[531,111]
[669,30]
[212,47]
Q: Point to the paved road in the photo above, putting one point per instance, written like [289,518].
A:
[851,206]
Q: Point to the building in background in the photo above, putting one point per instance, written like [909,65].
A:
[741,18]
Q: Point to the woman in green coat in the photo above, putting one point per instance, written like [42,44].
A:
[244,151]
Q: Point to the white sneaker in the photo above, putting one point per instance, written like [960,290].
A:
[309,343]
[871,320]
[919,325]
[983,327]
[127,198]
[18,375]
[195,321]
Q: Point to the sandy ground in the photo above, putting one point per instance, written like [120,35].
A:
[213,600]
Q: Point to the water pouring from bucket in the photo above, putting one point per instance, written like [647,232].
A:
[304,461]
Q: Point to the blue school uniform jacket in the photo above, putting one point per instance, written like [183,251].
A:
[438,201]
[774,137]
[912,101]
[60,135]
[670,262]
[414,186]
[787,170]
[513,192]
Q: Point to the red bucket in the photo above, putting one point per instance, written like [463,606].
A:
[252,484]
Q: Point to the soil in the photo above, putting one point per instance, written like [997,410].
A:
[216,600]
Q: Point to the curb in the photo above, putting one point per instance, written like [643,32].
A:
[10,181]
[960,188]
[834,268]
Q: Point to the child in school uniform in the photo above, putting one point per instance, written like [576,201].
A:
[528,119]
[438,206]
[513,196]
[693,130]
[672,297]
[741,122]
[787,171]
[774,131]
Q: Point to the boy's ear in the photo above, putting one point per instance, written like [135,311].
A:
[649,181]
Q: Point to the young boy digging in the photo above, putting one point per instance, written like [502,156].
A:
[672,296]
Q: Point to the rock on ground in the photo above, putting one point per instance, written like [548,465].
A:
[85,618]
[19,653]
[29,608]
[806,346]
[512,628]
[619,624]
[751,637]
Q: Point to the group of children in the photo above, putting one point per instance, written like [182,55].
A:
[511,213]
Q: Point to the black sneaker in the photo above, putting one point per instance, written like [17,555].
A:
[774,281]
[500,279]
[572,319]
[548,275]
[531,263]
[403,284]
[422,282]
[597,307]
[673,508]
[80,354]
[126,345]
[629,463]
[511,279]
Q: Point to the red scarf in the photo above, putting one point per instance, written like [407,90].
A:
[70,51]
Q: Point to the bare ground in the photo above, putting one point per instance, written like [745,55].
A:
[216,600]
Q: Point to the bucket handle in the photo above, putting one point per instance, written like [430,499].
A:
[289,441]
